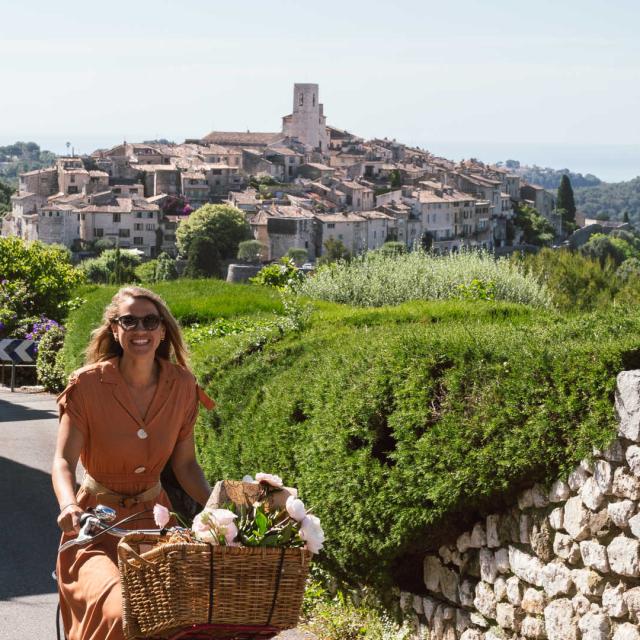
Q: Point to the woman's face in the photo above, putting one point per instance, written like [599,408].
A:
[138,339]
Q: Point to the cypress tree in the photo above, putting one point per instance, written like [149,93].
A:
[565,199]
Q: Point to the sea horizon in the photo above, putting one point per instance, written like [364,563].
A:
[608,162]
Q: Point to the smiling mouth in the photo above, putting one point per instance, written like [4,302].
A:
[140,342]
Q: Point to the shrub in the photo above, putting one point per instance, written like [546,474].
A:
[280,275]
[146,272]
[376,279]
[113,266]
[49,363]
[393,248]
[401,427]
[250,251]
[299,256]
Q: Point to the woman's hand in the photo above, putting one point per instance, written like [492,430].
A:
[69,518]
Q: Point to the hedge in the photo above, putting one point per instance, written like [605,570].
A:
[402,425]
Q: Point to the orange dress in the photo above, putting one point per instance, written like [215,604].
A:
[126,454]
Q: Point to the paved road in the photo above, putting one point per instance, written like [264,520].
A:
[28,531]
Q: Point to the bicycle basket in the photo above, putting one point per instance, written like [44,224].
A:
[182,583]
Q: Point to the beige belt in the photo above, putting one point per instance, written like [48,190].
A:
[111,498]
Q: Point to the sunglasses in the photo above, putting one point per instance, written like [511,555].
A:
[149,322]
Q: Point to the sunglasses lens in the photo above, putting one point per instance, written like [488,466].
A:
[151,322]
[128,322]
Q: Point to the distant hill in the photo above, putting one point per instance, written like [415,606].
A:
[20,157]
[550,178]
[610,200]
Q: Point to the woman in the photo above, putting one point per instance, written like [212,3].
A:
[125,414]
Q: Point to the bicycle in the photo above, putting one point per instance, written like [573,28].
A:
[97,522]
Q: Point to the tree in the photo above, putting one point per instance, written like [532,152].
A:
[203,259]
[536,229]
[215,228]
[625,217]
[395,179]
[334,250]
[565,199]
[6,191]
[299,256]
[601,248]
[393,248]
[113,266]
[250,251]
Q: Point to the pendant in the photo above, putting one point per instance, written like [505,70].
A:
[142,434]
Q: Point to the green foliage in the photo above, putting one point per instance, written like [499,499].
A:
[113,266]
[550,178]
[146,272]
[21,157]
[395,179]
[334,251]
[393,248]
[35,278]
[610,200]
[600,247]
[400,426]
[281,275]
[376,279]
[565,200]
[250,251]
[209,236]
[49,363]
[537,230]
[6,191]
[162,268]
[299,256]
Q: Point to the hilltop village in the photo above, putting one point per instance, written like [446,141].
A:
[298,187]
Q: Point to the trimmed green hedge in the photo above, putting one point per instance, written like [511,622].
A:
[402,425]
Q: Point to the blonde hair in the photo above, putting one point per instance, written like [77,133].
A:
[103,345]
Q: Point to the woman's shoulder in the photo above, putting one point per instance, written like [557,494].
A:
[182,374]
[93,372]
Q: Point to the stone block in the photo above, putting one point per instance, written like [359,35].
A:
[478,537]
[632,455]
[525,499]
[556,579]
[595,626]
[514,591]
[576,519]
[559,620]
[432,571]
[577,478]
[533,628]
[533,601]
[417,605]
[525,566]
[634,525]
[525,528]
[428,608]
[594,555]
[463,543]
[588,582]
[613,603]
[559,492]
[539,495]
[449,581]
[627,631]
[463,620]
[485,600]
[581,604]
[488,568]
[493,531]
[627,403]
[566,548]
[466,593]
[624,556]
[603,476]
[479,620]
[502,560]
[612,453]
[591,494]
[620,512]
[506,616]
[625,485]
[472,634]
[556,518]
[632,600]
[541,539]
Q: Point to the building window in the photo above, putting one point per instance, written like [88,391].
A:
[133,192]
[72,189]
[72,178]
[123,233]
[151,227]
[137,226]
[138,214]
[150,214]
[137,240]
[331,225]
[116,217]
[313,102]
[301,99]
[216,172]
[98,233]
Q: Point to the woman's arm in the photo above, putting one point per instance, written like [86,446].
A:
[63,474]
[188,471]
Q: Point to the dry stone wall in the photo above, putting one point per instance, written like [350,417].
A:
[562,564]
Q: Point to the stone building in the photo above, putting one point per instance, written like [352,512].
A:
[307,123]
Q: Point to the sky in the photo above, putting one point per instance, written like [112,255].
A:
[561,72]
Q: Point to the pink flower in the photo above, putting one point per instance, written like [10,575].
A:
[295,508]
[223,517]
[311,532]
[270,479]
[161,515]
[230,533]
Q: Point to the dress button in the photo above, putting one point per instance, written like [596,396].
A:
[140,470]
[142,434]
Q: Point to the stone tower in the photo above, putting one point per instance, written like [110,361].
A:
[307,123]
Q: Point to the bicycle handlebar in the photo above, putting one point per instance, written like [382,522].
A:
[96,522]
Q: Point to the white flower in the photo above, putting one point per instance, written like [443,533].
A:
[223,517]
[268,478]
[295,508]
[311,532]
[230,533]
[161,515]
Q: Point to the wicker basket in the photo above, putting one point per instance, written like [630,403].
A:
[178,584]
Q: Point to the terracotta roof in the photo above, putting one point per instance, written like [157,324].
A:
[37,171]
[241,138]
[339,217]
[98,174]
